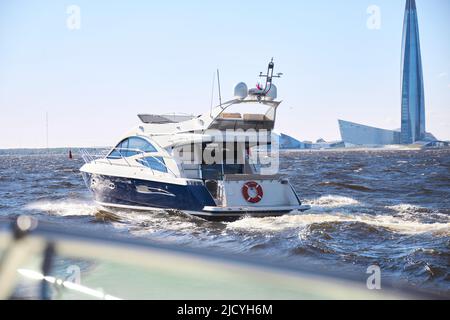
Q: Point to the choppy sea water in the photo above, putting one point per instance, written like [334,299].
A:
[389,208]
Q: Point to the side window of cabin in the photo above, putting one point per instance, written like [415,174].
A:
[155,163]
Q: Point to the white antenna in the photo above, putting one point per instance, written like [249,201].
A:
[218,84]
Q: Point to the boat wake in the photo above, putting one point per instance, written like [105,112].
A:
[135,223]
[64,208]
[394,224]
[331,201]
[337,209]
[324,210]
[417,213]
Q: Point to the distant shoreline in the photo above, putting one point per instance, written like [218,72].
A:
[356,149]
[55,148]
[349,149]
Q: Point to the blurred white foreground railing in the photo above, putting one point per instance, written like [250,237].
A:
[135,269]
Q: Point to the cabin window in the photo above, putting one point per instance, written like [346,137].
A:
[155,163]
[130,147]
[216,171]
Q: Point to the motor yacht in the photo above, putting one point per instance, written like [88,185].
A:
[222,164]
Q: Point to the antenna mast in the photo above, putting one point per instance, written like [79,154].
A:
[269,76]
[218,84]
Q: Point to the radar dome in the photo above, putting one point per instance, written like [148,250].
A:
[241,90]
[272,93]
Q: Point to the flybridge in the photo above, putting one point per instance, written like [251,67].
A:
[234,114]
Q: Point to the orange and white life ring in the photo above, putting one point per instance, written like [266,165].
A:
[252,192]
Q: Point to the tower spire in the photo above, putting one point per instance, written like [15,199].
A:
[413,102]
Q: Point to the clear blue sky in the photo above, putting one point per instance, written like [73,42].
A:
[134,57]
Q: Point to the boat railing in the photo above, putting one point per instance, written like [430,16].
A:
[122,153]
[89,157]
[86,156]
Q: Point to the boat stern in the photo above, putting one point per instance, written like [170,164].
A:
[254,195]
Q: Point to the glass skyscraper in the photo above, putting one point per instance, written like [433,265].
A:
[413,104]
[412,91]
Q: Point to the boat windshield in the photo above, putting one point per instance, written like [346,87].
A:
[130,147]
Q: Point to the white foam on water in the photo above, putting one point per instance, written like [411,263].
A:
[331,201]
[64,207]
[277,224]
[139,222]
[133,221]
[404,207]
[406,227]
[157,221]
[293,221]
[413,211]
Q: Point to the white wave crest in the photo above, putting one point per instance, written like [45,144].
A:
[410,211]
[64,208]
[332,201]
[404,207]
[144,223]
[300,221]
